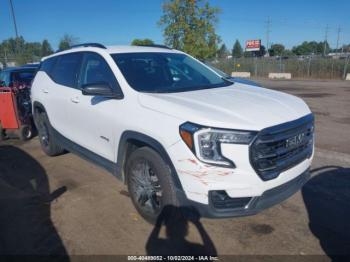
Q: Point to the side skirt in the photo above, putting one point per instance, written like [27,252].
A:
[88,155]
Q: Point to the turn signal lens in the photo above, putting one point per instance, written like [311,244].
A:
[187,138]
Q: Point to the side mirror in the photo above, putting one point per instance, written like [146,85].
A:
[2,83]
[99,89]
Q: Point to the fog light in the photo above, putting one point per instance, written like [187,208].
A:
[221,200]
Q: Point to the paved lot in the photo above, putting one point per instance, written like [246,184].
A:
[81,209]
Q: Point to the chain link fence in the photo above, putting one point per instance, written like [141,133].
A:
[304,68]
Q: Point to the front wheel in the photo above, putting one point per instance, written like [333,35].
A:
[149,181]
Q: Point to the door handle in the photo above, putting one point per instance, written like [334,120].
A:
[45,91]
[75,100]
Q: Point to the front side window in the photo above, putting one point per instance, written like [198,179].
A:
[166,72]
[66,69]
[95,70]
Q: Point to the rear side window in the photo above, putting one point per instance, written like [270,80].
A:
[66,69]
[47,65]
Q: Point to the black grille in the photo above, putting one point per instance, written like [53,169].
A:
[281,147]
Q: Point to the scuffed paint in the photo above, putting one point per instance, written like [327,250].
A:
[193,161]
[203,173]
[224,173]
[197,174]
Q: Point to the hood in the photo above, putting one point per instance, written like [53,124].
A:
[237,106]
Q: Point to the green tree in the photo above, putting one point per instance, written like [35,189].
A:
[141,42]
[261,52]
[306,48]
[276,50]
[223,52]
[237,50]
[346,48]
[309,48]
[321,48]
[21,52]
[288,53]
[46,48]
[189,25]
[248,54]
[67,41]
[30,52]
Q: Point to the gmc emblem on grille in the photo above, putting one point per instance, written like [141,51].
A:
[295,140]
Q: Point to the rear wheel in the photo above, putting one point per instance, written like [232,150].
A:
[149,183]
[46,138]
[2,133]
[25,132]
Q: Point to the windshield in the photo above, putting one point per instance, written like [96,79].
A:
[23,76]
[166,72]
[218,71]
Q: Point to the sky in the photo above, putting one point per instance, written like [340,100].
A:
[118,22]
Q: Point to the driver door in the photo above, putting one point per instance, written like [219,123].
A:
[93,117]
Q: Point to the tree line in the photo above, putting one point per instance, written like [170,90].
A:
[21,52]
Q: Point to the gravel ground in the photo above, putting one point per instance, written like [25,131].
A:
[83,210]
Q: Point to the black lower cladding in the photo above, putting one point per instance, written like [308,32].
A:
[256,204]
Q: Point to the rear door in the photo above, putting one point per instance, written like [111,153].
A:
[61,90]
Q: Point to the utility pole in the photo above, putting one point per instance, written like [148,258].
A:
[338,35]
[268,30]
[14,18]
[325,41]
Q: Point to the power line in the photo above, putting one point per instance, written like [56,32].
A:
[268,30]
[338,35]
[325,40]
[14,17]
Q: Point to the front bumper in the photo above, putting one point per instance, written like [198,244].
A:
[269,198]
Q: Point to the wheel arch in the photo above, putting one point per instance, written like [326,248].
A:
[37,108]
[130,140]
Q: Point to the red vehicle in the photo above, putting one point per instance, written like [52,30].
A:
[15,105]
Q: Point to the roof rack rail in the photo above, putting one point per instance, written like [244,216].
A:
[84,45]
[89,44]
[156,45]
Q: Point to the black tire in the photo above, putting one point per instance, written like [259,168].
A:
[150,184]
[25,132]
[48,143]
[2,133]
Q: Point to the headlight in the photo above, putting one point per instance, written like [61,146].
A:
[206,142]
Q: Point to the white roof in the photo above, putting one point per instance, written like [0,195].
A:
[116,49]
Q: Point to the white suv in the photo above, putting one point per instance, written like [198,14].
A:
[173,129]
